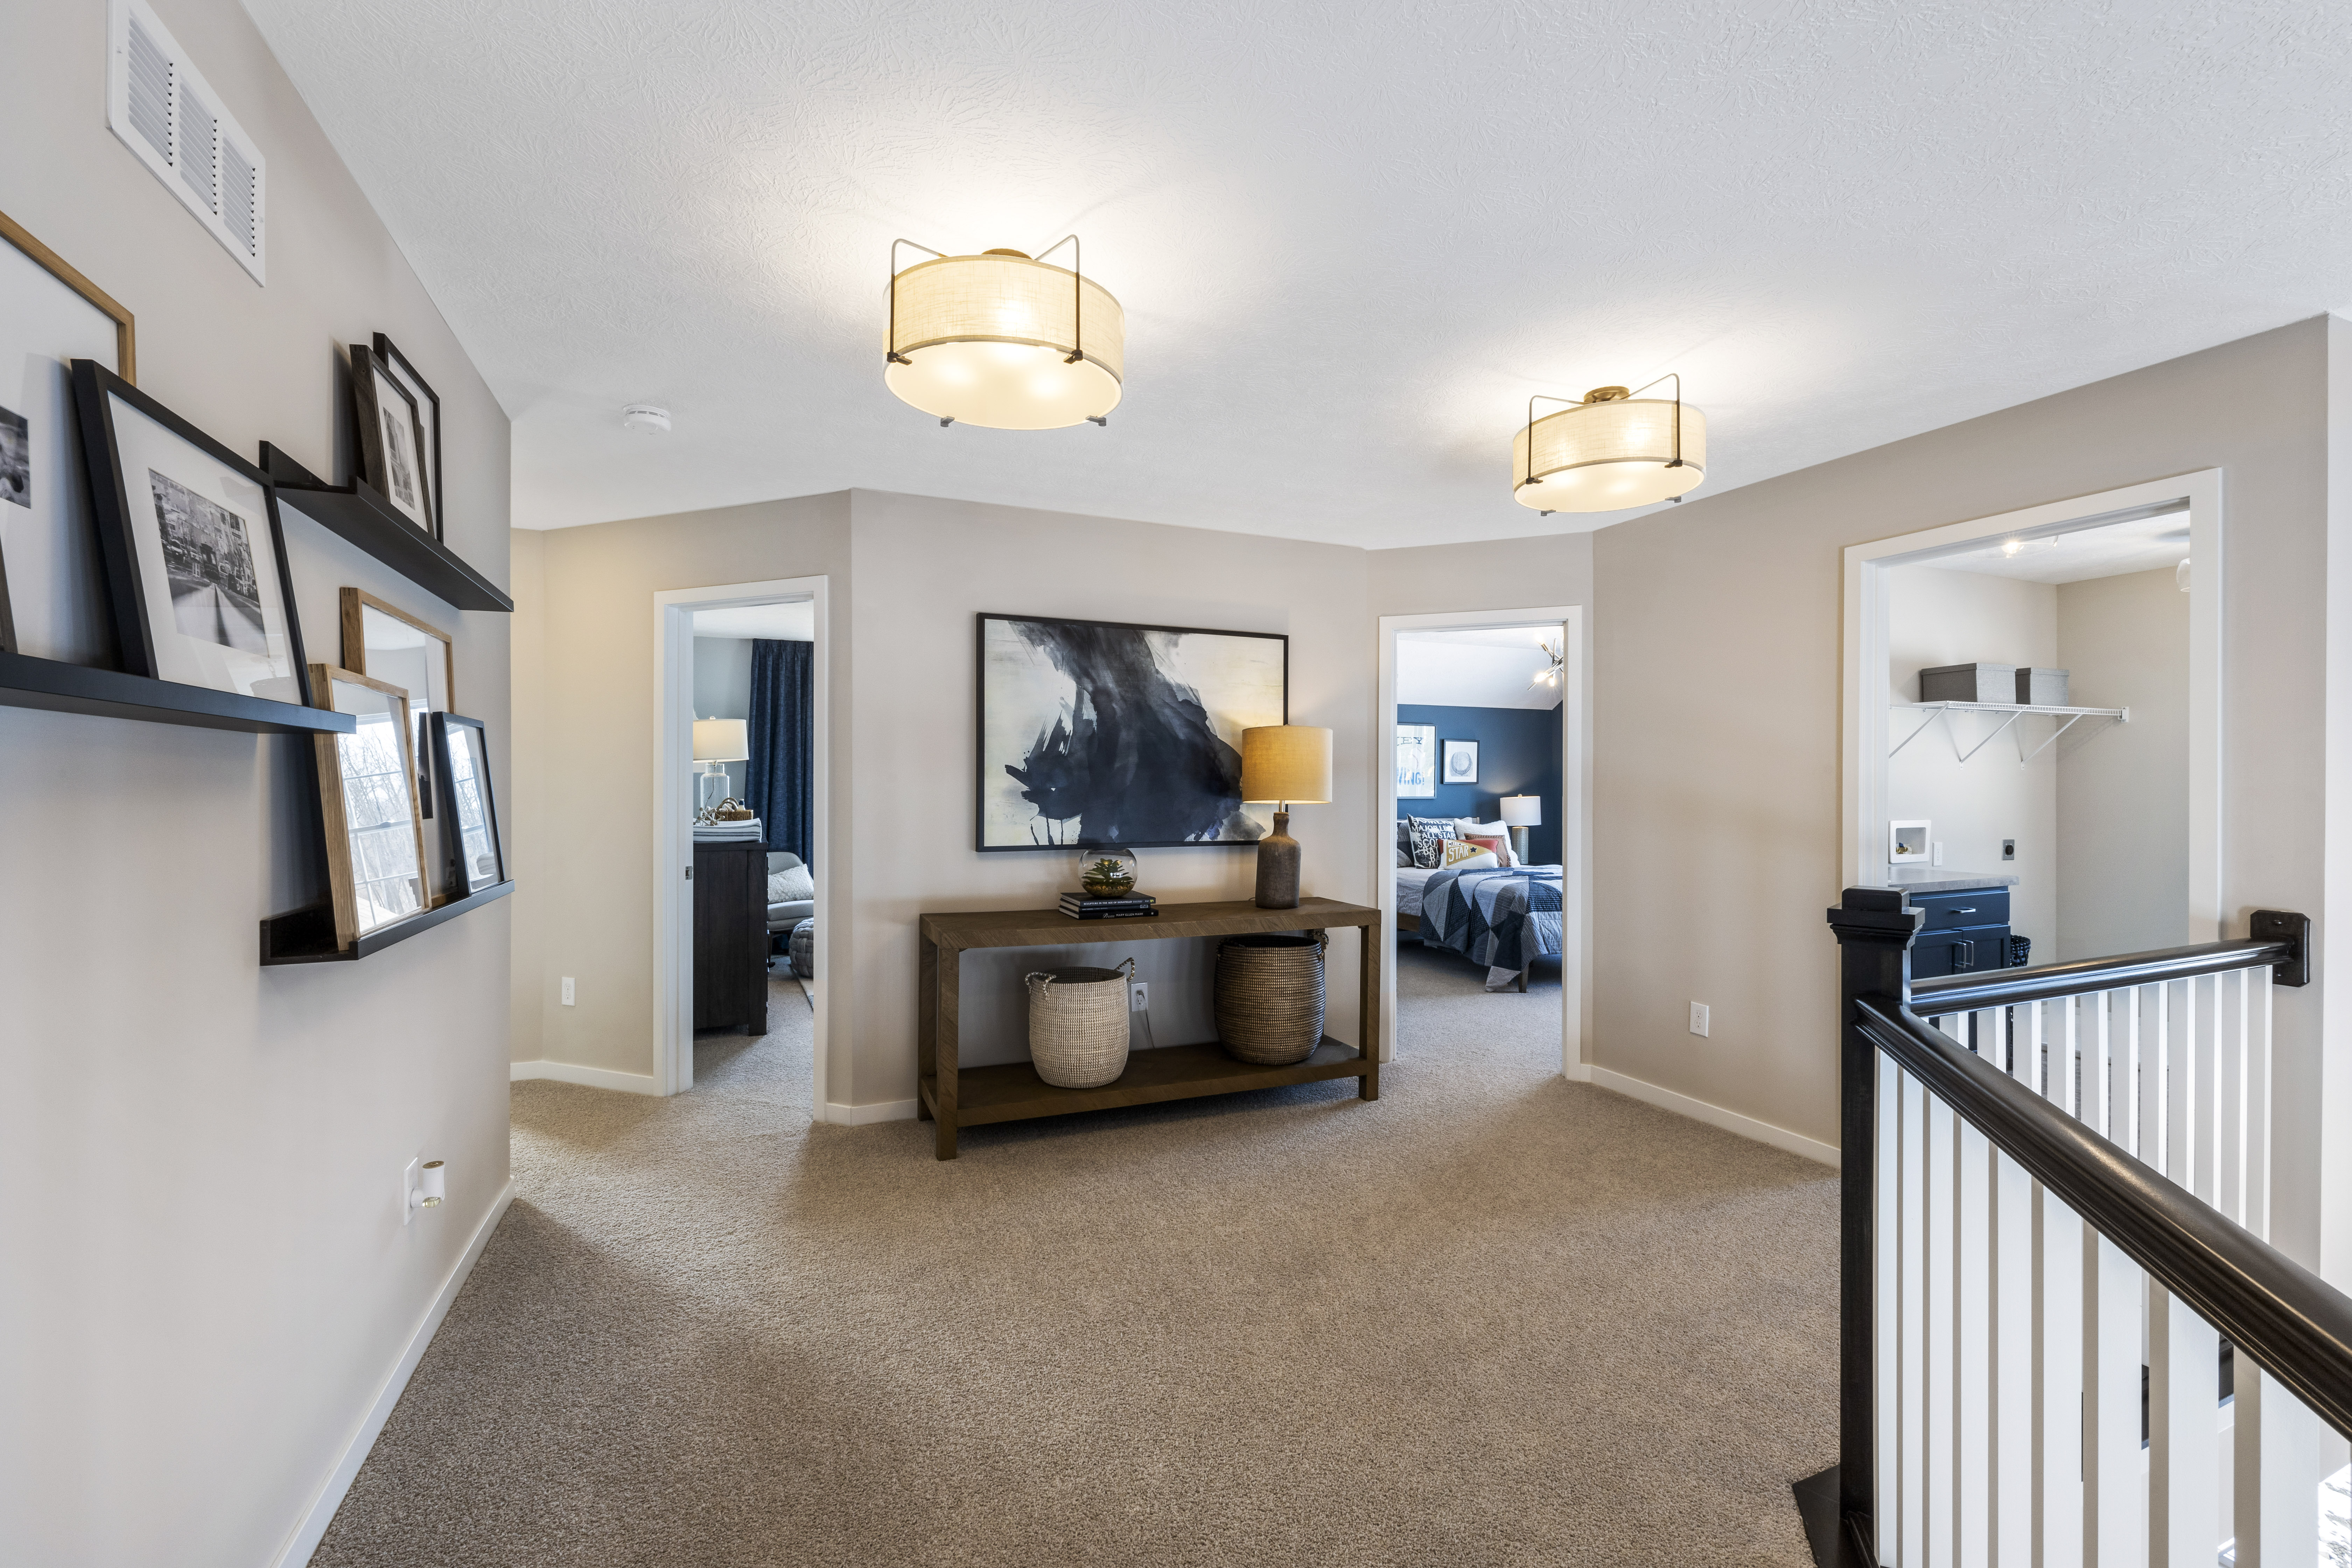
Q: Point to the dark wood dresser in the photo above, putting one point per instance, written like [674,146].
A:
[730,936]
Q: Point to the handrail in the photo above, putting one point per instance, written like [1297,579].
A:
[2296,1325]
[2000,988]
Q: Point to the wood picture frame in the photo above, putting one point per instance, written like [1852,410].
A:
[404,656]
[471,851]
[51,314]
[195,565]
[428,408]
[367,802]
[392,440]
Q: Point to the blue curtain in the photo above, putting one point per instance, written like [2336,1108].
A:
[784,704]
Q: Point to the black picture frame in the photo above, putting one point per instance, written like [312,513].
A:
[374,465]
[404,370]
[451,819]
[981,769]
[1446,751]
[96,391]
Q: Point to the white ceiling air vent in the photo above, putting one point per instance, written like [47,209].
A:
[162,108]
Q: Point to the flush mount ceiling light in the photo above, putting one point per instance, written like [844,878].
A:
[1614,449]
[1004,339]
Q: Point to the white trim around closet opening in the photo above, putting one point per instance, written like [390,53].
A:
[674,829]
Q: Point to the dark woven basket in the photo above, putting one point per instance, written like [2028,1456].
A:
[802,946]
[1270,997]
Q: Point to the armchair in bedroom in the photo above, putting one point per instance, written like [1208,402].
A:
[785,913]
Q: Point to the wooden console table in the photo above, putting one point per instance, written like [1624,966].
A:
[955,1097]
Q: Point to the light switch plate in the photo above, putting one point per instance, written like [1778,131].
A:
[567,990]
[408,1183]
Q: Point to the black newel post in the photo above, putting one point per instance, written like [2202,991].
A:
[1874,928]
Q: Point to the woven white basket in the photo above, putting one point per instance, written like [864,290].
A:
[1077,1025]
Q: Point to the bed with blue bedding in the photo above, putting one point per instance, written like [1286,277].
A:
[1504,918]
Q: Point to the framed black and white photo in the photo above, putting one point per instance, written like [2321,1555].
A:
[367,800]
[1416,760]
[1461,761]
[389,360]
[1103,733]
[392,438]
[53,599]
[467,817]
[195,564]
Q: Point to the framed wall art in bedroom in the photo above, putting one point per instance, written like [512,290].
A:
[1104,732]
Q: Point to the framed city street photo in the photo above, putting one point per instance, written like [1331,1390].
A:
[367,797]
[468,817]
[195,564]
[385,642]
[392,438]
[53,602]
[389,360]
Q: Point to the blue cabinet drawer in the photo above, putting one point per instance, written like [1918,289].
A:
[1987,907]
[1960,950]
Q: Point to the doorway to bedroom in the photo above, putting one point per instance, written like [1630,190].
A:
[1480,841]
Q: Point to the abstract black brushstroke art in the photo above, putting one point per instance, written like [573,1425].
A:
[1101,732]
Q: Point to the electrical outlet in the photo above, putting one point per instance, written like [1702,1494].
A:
[567,990]
[1935,855]
[1698,1019]
[408,1180]
[1138,996]
[2009,848]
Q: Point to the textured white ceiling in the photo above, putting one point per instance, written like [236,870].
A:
[1350,239]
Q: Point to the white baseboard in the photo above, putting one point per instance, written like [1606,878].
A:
[594,1078]
[876,1110]
[313,1528]
[1713,1115]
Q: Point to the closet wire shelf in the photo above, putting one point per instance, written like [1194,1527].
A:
[2014,711]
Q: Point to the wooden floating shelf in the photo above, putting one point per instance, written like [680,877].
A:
[60,688]
[308,936]
[1013,1091]
[359,513]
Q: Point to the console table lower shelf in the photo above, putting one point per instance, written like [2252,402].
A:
[1013,1091]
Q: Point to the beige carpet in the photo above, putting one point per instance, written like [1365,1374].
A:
[1495,1318]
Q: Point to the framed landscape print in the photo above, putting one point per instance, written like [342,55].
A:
[367,796]
[392,438]
[468,817]
[1416,760]
[195,564]
[1461,761]
[383,642]
[389,359]
[1102,733]
[53,600]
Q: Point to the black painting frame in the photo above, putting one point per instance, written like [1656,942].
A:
[460,885]
[95,389]
[370,416]
[389,351]
[979,725]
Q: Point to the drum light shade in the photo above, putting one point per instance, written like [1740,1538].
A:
[1523,810]
[1606,453]
[1287,763]
[722,741]
[1005,342]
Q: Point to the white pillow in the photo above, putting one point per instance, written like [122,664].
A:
[1501,831]
[791,885]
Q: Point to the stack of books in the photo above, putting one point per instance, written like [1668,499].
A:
[1126,906]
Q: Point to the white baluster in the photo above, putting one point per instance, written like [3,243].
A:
[2103,1095]
[1913,1456]
[2115,1487]
[2184,1435]
[2014,1411]
[2058,1369]
[2284,1452]
[2134,1090]
[1972,1344]
[1943,1305]
[2259,1132]
[1888,1342]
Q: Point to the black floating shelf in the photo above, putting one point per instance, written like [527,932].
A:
[308,936]
[29,682]
[359,512]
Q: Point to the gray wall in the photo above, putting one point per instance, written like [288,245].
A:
[1721,848]
[207,1279]
[722,689]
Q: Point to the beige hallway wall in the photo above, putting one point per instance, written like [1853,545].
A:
[207,1280]
[1717,697]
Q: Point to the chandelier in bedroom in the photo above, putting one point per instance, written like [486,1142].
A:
[1551,674]
[1608,450]
[1004,339]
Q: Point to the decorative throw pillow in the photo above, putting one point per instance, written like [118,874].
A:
[1404,853]
[1428,844]
[791,885]
[1501,831]
[1462,855]
[1500,848]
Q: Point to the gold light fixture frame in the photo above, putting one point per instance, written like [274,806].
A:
[1077,308]
[1599,394]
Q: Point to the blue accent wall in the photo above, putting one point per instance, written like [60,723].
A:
[1519,753]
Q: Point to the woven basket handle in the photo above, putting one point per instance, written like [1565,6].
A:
[1128,965]
[1037,979]
[1322,942]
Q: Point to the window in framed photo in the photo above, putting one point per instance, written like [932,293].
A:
[392,438]
[469,816]
[53,602]
[196,562]
[389,360]
[367,796]
[383,642]
[1461,763]
[1416,761]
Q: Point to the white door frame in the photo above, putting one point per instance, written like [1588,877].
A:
[673,816]
[1869,685]
[1575,810]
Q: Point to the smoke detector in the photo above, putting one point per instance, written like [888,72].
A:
[645,418]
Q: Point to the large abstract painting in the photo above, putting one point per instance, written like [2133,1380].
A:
[1100,732]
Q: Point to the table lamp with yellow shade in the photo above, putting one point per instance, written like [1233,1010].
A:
[1284,765]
